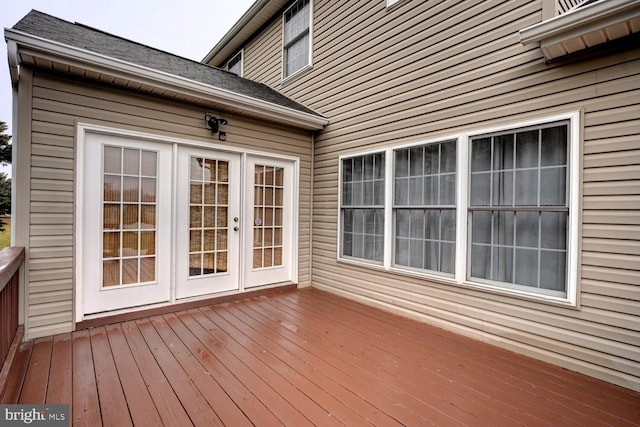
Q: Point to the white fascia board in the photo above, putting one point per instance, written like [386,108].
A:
[47,49]
[580,21]
[259,13]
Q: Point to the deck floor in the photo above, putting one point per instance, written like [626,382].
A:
[302,358]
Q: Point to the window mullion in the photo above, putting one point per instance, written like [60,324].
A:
[389,183]
[462,213]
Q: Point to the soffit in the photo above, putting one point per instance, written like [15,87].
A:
[588,25]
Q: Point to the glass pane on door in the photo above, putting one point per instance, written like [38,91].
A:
[208,216]
[268,216]
[129,216]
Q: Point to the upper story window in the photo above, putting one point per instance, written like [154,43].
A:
[235,64]
[495,210]
[296,37]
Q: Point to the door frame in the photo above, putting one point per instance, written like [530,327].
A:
[82,129]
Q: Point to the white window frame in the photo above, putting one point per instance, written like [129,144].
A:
[286,77]
[340,224]
[241,62]
[462,211]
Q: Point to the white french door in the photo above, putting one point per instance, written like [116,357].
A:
[161,222]
[126,218]
[269,238]
[208,222]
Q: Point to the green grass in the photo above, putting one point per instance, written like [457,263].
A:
[5,236]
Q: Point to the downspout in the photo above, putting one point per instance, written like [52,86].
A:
[14,72]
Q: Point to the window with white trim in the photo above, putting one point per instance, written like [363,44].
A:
[425,207]
[296,46]
[362,212]
[494,210]
[518,208]
[235,64]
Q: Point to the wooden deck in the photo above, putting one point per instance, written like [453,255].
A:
[302,358]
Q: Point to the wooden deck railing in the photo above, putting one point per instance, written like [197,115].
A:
[10,261]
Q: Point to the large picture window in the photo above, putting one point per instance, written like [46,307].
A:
[296,37]
[518,208]
[495,210]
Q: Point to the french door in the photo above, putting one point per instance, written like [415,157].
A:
[208,222]
[163,222]
[126,220]
[270,221]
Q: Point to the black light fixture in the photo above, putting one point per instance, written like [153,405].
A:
[213,123]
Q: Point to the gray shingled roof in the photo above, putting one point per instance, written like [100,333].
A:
[81,36]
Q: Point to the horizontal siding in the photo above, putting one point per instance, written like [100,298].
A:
[421,70]
[58,104]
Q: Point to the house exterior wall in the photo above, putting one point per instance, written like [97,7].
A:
[420,70]
[53,106]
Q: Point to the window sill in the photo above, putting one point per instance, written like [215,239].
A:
[294,76]
[394,5]
[481,287]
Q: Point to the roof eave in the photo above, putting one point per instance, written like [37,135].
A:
[72,56]
[257,15]
[583,27]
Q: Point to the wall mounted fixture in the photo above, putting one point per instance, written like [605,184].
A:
[214,123]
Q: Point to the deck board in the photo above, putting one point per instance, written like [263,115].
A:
[113,404]
[15,379]
[196,405]
[85,403]
[61,376]
[165,399]
[302,358]
[140,404]
[284,410]
[266,344]
[37,378]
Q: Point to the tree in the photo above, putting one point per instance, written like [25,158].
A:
[5,182]
[5,145]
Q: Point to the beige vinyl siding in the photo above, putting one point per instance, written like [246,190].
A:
[265,55]
[58,105]
[422,70]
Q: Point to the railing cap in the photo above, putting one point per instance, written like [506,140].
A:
[10,261]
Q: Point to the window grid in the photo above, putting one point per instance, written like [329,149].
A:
[424,207]
[268,221]
[129,216]
[208,216]
[363,207]
[527,220]
[296,37]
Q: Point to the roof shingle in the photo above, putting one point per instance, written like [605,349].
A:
[96,41]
